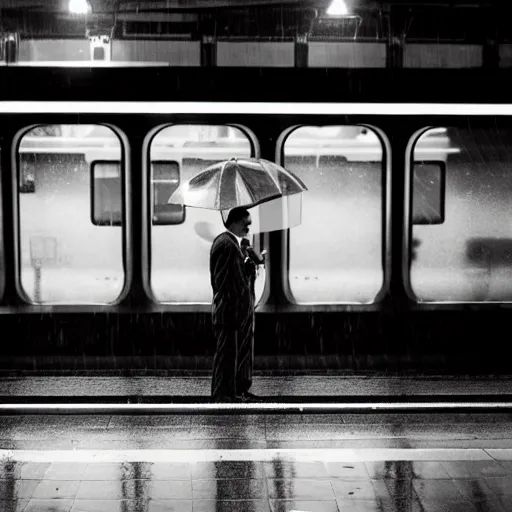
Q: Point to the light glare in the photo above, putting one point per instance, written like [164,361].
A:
[79,7]
[337,8]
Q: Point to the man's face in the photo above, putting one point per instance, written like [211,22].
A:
[241,228]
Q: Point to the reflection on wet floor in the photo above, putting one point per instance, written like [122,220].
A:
[256,463]
[254,486]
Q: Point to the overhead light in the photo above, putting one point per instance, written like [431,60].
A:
[337,8]
[79,7]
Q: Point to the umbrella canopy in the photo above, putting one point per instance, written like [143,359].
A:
[237,182]
[275,215]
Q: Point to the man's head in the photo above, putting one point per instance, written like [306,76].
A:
[238,221]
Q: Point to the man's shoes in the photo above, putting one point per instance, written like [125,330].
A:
[246,396]
[227,399]
[243,397]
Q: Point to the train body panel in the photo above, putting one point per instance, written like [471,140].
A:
[402,259]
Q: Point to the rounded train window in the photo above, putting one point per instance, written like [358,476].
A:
[336,253]
[70,212]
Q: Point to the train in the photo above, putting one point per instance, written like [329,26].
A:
[402,260]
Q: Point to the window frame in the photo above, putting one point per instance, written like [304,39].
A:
[23,187]
[386,178]
[118,223]
[484,121]
[3,268]
[100,222]
[153,190]
[442,190]
[126,237]
[147,200]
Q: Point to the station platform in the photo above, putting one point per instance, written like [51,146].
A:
[274,460]
[195,388]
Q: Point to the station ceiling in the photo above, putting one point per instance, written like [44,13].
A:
[258,18]
[194,5]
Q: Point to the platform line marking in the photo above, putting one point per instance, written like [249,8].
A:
[274,406]
[249,107]
[257,454]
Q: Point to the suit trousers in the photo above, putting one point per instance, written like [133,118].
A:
[234,358]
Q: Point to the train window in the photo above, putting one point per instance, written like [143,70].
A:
[65,258]
[107,200]
[468,257]
[180,253]
[106,193]
[428,197]
[27,176]
[335,255]
[98,53]
[2,262]
[165,180]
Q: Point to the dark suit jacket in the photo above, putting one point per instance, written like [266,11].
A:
[232,303]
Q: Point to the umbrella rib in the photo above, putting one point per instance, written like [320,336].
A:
[221,180]
[295,179]
[292,177]
[239,175]
[276,182]
[247,188]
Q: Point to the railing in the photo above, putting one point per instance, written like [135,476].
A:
[253,53]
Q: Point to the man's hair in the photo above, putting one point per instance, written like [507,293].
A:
[235,215]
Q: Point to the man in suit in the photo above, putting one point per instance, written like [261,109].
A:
[232,312]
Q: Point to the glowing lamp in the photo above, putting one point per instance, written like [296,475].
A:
[337,8]
[79,7]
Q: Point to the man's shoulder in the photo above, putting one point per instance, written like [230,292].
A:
[223,240]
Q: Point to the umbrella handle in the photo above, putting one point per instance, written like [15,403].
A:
[255,256]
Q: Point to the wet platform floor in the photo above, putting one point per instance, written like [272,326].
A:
[254,486]
[251,463]
[274,387]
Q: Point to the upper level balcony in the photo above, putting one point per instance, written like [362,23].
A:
[268,33]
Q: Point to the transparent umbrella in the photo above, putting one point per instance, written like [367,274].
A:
[237,182]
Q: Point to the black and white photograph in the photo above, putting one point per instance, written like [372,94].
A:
[255,255]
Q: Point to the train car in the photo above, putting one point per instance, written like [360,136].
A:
[78,162]
[402,259]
